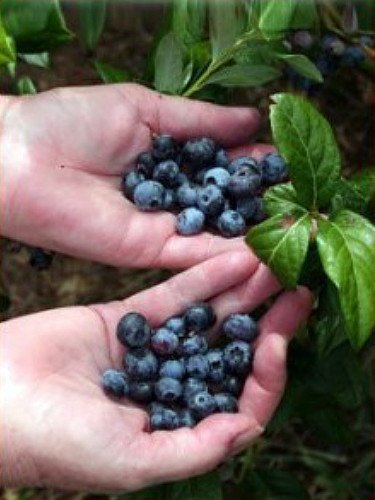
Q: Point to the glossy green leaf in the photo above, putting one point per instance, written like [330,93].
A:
[240,75]
[281,242]
[41,60]
[226,21]
[35,25]
[303,66]
[305,15]
[347,249]
[188,20]
[25,85]
[206,487]
[169,74]
[7,49]
[276,16]
[110,74]
[355,193]
[281,199]
[92,14]
[306,141]
[258,52]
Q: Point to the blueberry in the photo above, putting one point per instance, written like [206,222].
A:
[240,327]
[195,344]
[210,200]
[217,176]
[190,221]
[166,173]
[244,161]
[164,342]
[164,147]
[186,195]
[115,383]
[185,418]
[221,159]
[197,366]
[199,153]
[232,384]
[40,259]
[216,372]
[177,325]
[333,45]
[168,389]
[141,392]
[259,214]
[130,181]
[303,39]
[172,368]
[199,317]
[141,364]
[191,386]
[182,178]
[145,165]
[244,182]
[169,199]
[149,195]
[133,330]
[246,207]
[230,223]
[352,56]
[202,404]
[238,357]
[274,169]
[326,64]
[226,403]
[164,419]
[155,406]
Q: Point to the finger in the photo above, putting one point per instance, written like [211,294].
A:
[185,118]
[256,150]
[265,386]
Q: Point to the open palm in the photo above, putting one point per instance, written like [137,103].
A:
[63,431]
[63,152]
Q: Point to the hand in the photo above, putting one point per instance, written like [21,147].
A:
[61,429]
[63,152]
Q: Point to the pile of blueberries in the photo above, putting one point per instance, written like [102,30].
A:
[199,182]
[173,370]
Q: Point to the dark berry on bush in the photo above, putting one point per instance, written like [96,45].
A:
[193,385]
[230,223]
[141,392]
[238,357]
[164,342]
[352,56]
[217,176]
[168,389]
[246,207]
[190,221]
[221,159]
[164,419]
[244,161]
[216,371]
[115,383]
[197,366]
[274,169]
[186,195]
[195,344]
[166,173]
[149,196]
[172,368]
[333,45]
[145,165]
[199,317]
[164,147]
[240,327]
[202,404]
[185,418]
[40,259]
[244,183]
[133,330]
[302,39]
[141,364]
[199,153]
[226,403]
[130,181]
[232,384]
[210,200]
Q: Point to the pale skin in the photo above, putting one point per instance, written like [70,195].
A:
[61,430]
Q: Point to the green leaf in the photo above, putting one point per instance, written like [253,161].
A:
[227,20]
[206,487]
[281,199]
[305,16]
[240,75]
[257,52]
[92,16]
[188,20]
[25,85]
[355,193]
[169,74]
[306,141]
[282,243]
[303,66]
[276,16]
[346,246]
[36,25]
[7,49]
[41,60]
[110,74]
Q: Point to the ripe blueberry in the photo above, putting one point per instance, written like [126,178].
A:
[221,159]
[216,366]
[164,419]
[185,418]
[199,317]
[187,195]
[199,153]
[241,162]
[238,357]
[240,327]
[133,330]
[226,403]
[149,195]
[230,223]
[164,147]
[172,368]
[145,165]
[177,325]
[168,389]
[232,384]
[191,386]
[141,364]
[243,183]
[164,342]
[130,181]
[217,176]
[166,173]
[194,344]
[210,200]
[202,404]
[273,169]
[115,383]
[142,392]
[190,221]
[197,366]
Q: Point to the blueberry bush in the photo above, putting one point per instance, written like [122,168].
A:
[317,231]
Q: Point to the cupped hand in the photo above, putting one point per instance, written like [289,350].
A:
[62,154]
[61,430]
